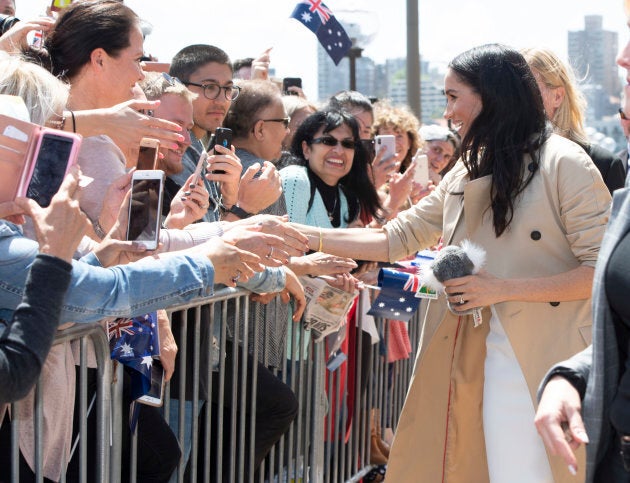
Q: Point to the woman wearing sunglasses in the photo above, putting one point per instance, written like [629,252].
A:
[327,184]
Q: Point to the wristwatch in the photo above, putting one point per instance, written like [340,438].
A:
[240,212]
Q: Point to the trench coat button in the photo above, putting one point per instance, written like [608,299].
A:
[531,167]
[554,304]
[535,235]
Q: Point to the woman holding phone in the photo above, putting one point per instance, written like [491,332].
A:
[538,206]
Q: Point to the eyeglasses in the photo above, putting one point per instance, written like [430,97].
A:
[211,90]
[623,115]
[283,120]
[332,142]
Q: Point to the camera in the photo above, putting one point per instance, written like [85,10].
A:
[6,22]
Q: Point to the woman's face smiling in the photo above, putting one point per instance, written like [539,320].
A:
[123,71]
[463,104]
[330,163]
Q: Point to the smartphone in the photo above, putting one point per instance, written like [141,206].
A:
[156,393]
[223,137]
[421,174]
[288,82]
[145,207]
[54,155]
[148,154]
[200,164]
[387,140]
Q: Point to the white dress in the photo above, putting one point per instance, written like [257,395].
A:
[515,451]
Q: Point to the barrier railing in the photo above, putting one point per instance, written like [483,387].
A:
[213,404]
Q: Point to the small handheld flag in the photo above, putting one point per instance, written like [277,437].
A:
[318,18]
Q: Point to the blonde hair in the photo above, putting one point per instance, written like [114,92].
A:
[155,85]
[399,119]
[44,95]
[569,117]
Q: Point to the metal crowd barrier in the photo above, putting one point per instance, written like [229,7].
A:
[326,442]
[81,334]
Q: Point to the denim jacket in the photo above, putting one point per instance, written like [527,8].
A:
[96,292]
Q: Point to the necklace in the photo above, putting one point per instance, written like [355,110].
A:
[331,213]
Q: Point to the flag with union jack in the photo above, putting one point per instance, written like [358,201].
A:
[396,299]
[134,342]
[318,18]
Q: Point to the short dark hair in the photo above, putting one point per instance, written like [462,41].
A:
[349,101]
[191,58]
[255,96]
[238,63]
[84,27]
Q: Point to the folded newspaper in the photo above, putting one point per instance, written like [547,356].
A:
[326,307]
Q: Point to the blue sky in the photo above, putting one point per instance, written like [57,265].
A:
[447,27]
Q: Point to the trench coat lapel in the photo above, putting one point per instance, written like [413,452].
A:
[477,201]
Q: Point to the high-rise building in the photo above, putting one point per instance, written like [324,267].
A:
[592,54]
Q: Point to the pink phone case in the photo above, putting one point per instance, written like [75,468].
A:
[17,141]
[30,166]
[19,144]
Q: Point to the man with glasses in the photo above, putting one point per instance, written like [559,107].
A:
[207,71]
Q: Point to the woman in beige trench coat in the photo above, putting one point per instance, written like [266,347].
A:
[538,206]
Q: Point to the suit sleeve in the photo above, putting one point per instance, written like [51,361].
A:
[576,370]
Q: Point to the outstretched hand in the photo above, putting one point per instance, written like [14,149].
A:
[560,408]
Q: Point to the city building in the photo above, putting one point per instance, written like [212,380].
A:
[592,54]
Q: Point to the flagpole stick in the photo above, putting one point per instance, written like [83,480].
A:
[353,54]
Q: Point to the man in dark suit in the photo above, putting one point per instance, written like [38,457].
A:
[584,399]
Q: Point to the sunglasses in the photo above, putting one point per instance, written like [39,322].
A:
[623,115]
[332,142]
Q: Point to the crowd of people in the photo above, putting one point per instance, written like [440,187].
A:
[301,191]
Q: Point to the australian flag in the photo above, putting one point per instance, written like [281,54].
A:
[318,18]
[133,343]
[396,299]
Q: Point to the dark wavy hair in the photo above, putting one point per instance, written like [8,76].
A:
[511,123]
[356,185]
[85,26]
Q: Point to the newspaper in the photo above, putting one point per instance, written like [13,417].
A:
[326,307]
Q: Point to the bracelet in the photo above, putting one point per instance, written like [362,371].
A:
[321,240]
[58,124]
[239,212]
[74,122]
[98,229]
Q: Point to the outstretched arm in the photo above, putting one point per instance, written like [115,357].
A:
[363,243]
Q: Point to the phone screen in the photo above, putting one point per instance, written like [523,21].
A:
[146,157]
[154,396]
[50,168]
[144,210]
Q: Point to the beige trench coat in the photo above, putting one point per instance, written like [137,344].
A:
[558,224]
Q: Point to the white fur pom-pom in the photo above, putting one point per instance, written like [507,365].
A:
[476,254]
